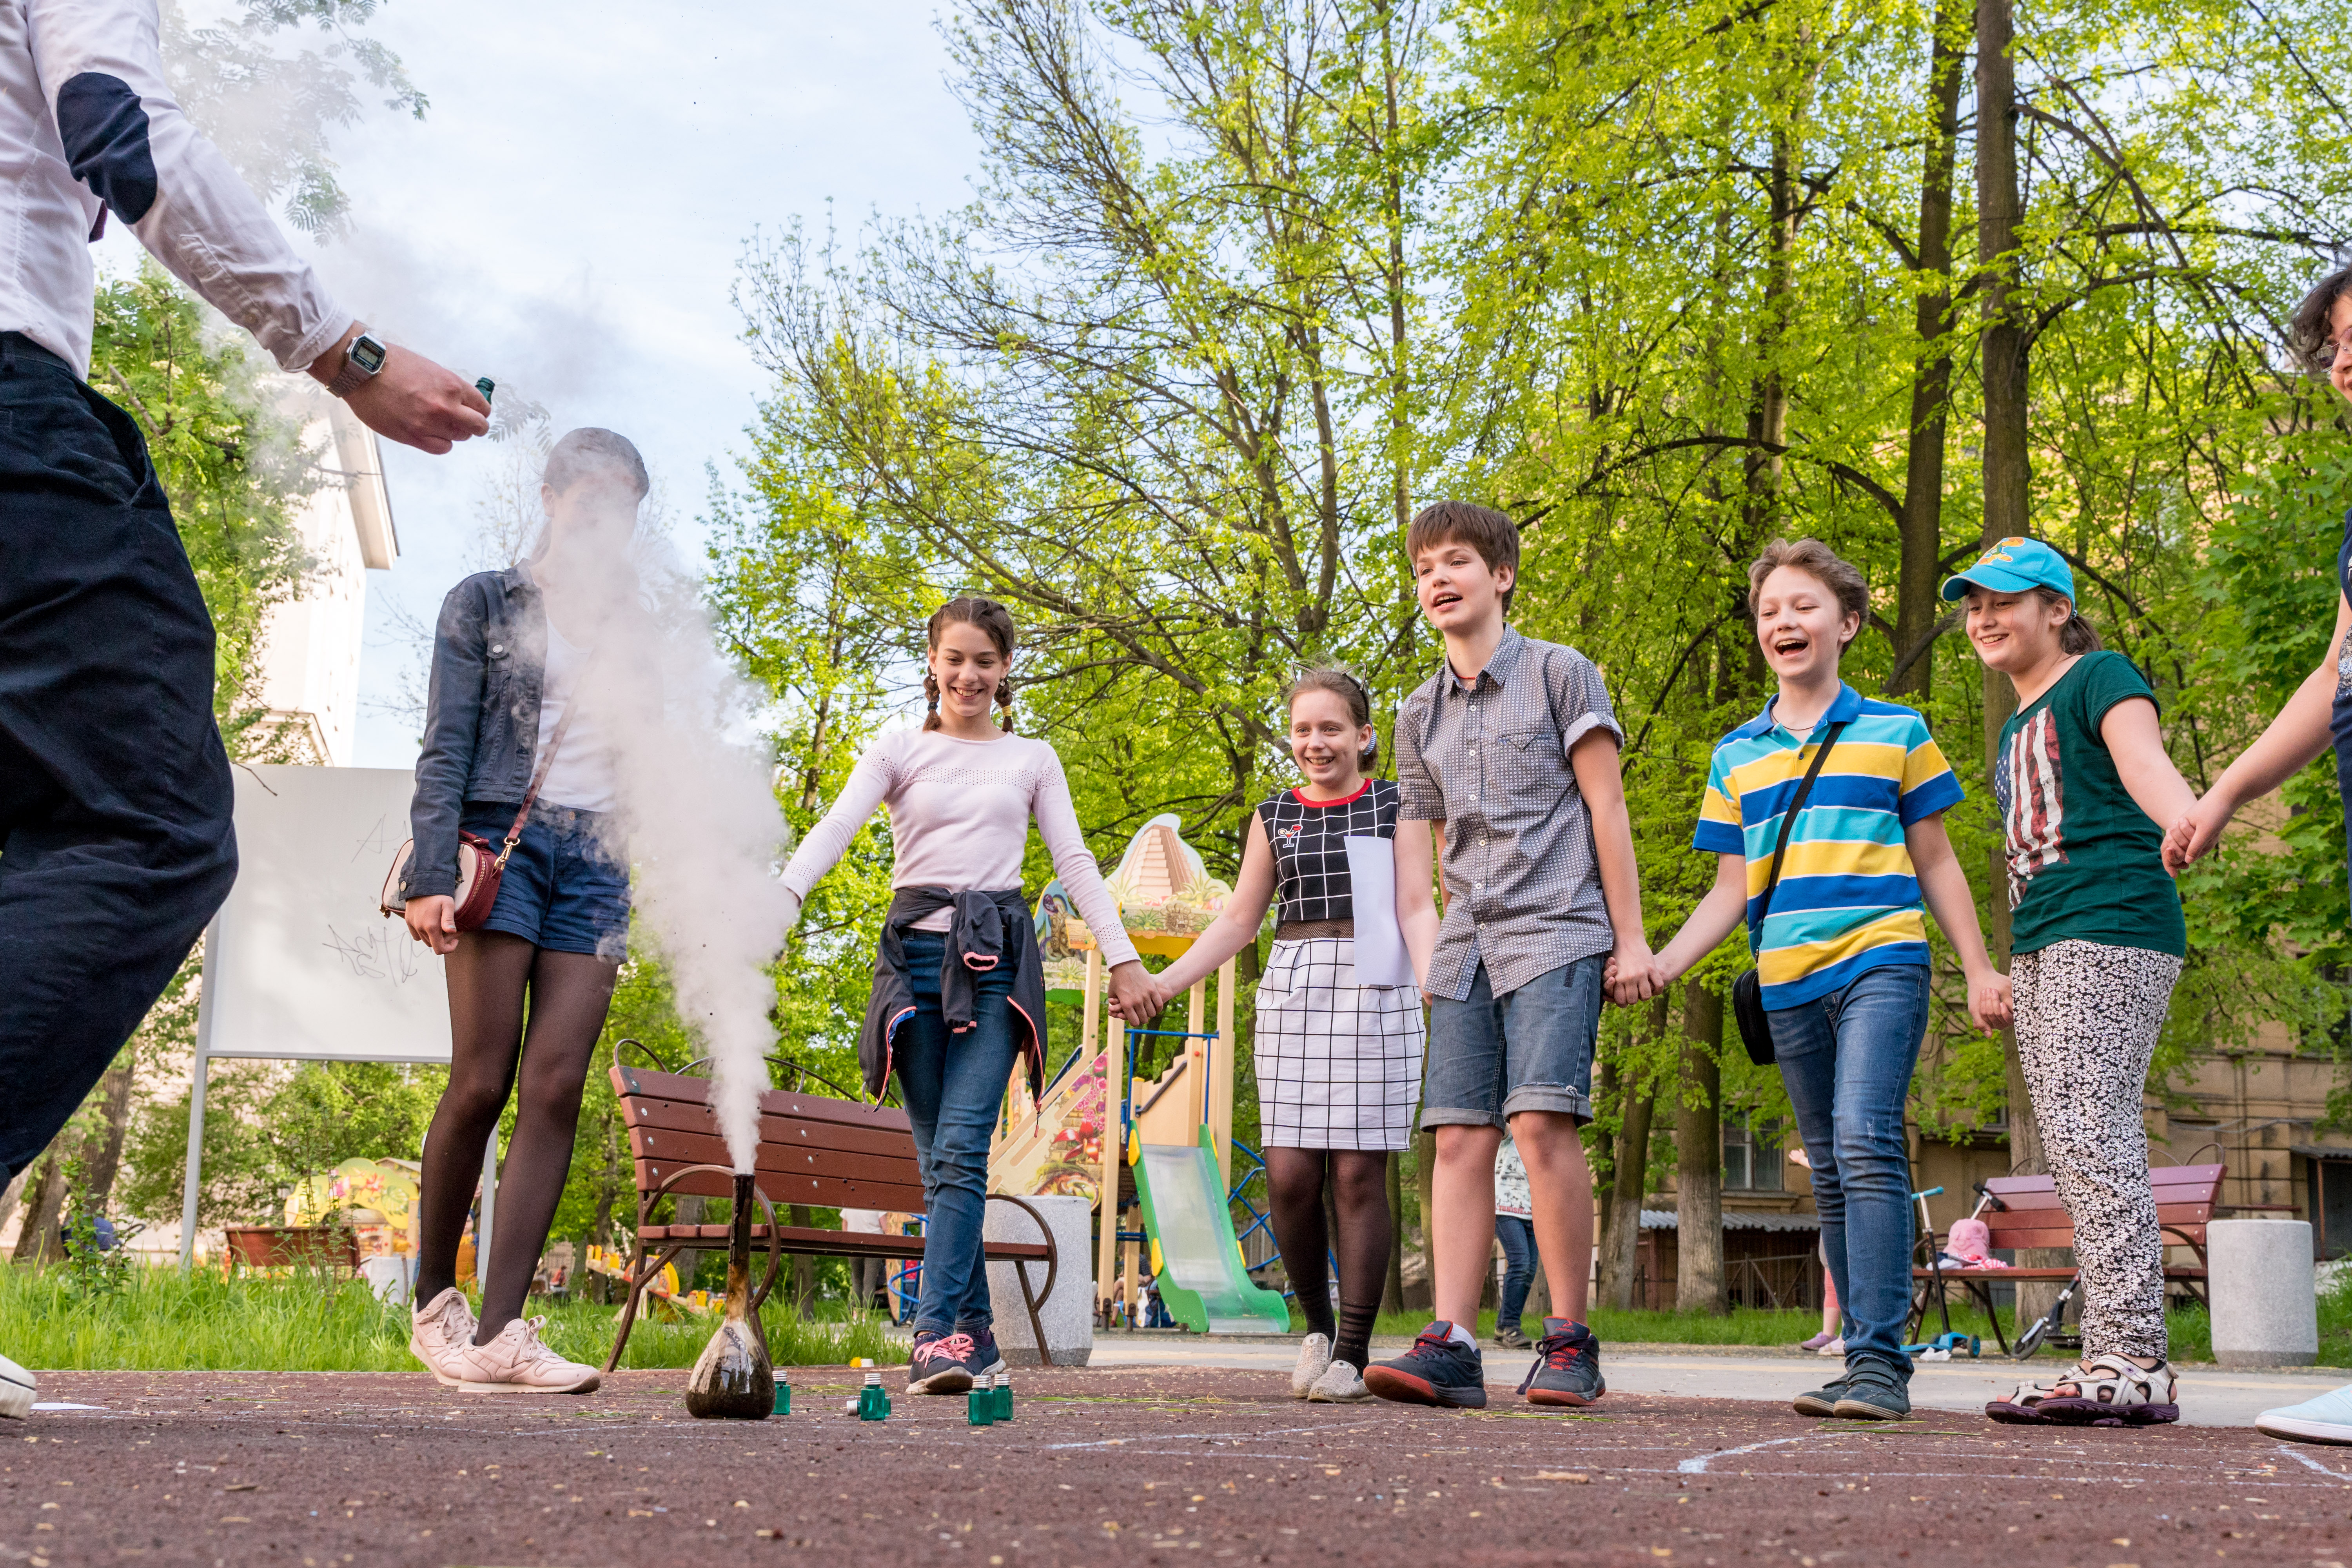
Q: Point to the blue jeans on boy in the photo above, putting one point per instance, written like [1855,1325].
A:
[953,1086]
[1846,1058]
[1517,1235]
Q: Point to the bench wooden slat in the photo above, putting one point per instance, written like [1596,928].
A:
[1995,1276]
[779,1159]
[678,1116]
[2055,1216]
[2048,1198]
[629,1082]
[833,1243]
[2157,1175]
[821,1191]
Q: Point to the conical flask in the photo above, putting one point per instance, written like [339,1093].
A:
[734,1380]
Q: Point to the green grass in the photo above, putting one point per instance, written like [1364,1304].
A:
[163,1320]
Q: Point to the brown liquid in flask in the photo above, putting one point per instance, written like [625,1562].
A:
[734,1380]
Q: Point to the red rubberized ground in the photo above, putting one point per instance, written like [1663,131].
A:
[1110,1467]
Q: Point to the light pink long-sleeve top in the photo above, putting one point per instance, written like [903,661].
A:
[960,813]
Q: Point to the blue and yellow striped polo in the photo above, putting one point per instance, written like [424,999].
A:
[1849,897]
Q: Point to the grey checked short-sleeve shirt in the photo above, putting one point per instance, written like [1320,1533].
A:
[1488,761]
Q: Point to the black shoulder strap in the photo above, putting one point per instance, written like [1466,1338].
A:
[1788,826]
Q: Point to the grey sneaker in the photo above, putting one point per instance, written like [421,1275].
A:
[1511,1337]
[1821,1401]
[1313,1360]
[1874,1392]
[1567,1366]
[15,1390]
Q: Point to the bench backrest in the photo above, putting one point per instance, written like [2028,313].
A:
[2031,1215]
[825,1152]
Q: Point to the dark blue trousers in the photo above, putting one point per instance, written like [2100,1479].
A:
[115,839]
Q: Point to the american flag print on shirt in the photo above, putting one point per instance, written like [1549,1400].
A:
[2032,792]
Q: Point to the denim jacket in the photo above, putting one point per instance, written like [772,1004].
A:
[481,715]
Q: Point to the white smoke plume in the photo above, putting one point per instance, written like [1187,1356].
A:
[696,811]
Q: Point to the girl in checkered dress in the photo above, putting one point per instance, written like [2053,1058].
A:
[1338,1064]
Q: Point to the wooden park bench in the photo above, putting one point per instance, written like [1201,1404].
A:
[815,1151]
[2025,1211]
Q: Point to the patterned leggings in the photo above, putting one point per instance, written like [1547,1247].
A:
[2087,1019]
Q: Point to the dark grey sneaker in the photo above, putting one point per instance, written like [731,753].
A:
[941,1363]
[1512,1338]
[985,1357]
[1874,1392]
[1567,1366]
[1438,1370]
[1821,1401]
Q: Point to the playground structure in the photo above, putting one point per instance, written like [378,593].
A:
[1154,1156]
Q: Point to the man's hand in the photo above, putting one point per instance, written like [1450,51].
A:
[433,921]
[411,400]
[1632,975]
[1131,992]
[1989,1001]
[2195,832]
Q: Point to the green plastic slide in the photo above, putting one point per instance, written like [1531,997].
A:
[1196,1259]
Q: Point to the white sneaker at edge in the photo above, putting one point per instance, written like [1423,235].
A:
[517,1361]
[2326,1419]
[438,1331]
[1314,1357]
[1340,1385]
[15,1390]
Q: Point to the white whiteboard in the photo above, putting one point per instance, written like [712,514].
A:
[299,962]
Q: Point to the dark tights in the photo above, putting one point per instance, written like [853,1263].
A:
[1358,1180]
[495,979]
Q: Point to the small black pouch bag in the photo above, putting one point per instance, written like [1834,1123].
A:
[1747,990]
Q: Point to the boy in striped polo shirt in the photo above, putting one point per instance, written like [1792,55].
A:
[1843,955]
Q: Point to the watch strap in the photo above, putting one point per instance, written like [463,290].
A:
[352,374]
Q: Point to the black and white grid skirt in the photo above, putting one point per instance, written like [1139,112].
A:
[1338,1065]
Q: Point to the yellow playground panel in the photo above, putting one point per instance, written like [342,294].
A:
[1175,1132]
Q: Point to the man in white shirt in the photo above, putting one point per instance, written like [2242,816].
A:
[115,842]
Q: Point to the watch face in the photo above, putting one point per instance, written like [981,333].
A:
[367,354]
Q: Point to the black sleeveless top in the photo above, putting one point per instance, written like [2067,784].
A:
[1310,858]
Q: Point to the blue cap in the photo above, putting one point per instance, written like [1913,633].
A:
[2012,566]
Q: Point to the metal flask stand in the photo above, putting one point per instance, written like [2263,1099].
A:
[734,1380]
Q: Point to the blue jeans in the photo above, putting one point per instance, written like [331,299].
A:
[1846,1058]
[1518,1238]
[953,1086]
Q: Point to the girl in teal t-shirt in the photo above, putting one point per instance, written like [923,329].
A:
[2084,781]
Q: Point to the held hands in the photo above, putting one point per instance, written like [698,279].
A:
[1633,975]
[1135,996]
[433,921]
[1989,1001]
[2190,838]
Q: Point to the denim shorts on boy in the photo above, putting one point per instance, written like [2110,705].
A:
[1491,1057]
[564,890]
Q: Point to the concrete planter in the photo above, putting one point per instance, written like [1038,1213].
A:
[2265,1311]
[1068,1313]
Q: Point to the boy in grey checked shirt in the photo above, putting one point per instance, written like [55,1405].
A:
[1507,759]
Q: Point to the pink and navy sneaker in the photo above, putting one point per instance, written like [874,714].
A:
[942,1364]
[985,1357]
[1438,1370]
[1567,1366]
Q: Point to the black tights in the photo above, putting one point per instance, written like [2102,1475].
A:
[494,978]
[1359,1181]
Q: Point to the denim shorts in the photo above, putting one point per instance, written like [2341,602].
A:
[565,889]
[1492,1056]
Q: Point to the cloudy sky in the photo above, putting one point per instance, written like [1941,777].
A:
[569,216]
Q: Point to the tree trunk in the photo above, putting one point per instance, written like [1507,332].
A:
[804,1266]
[45,1200]
[688,1211]
[1424,1171]
[15,1192]
[1916,606]
[1392,1286]
[1621,1239]
[1698,1137]
[101,1155]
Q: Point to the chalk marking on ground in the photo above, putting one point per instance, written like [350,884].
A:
[58,1404]
[2289,1450]
[1202,1437]
[1697,1466]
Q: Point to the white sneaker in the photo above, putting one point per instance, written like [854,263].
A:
[1340,1385]
[15,1390]
[438,1331]
[517,1361]
[1834,1350]
[2326,1419]
[1313,1359]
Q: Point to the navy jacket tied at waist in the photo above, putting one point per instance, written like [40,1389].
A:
[991,932]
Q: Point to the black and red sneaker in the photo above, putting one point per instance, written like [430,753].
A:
[1567,1366]
[1438,1370]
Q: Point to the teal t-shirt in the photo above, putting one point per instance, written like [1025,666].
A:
[2084,862]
